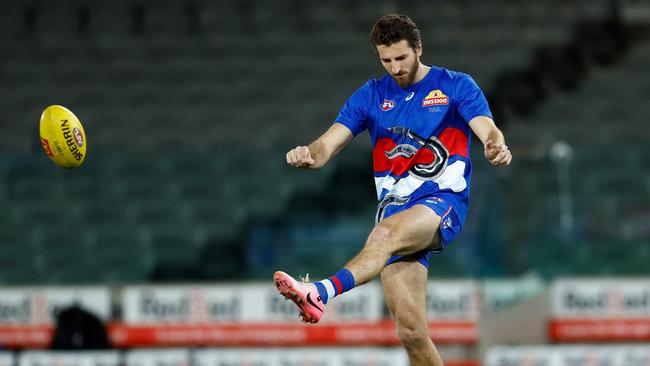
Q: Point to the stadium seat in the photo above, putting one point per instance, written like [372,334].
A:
[173,245]
[17,256]
[43,213]
[197,188]
[215,213]
[187,124]
[120,254]
[34,178]
[158,213]
[64,255]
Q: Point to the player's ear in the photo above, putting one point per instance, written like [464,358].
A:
[418,49]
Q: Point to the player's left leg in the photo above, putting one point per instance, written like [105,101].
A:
[405,288]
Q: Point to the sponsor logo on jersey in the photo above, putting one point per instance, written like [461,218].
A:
[387,105]
[409,96]
[435,97]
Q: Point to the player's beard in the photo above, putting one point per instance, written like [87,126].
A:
[407,77]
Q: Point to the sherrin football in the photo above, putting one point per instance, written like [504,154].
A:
[63,137]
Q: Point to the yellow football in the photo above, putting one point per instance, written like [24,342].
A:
[63,137]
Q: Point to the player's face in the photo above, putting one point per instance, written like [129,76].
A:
[401,61]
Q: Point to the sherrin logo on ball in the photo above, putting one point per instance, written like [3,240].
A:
[63,137]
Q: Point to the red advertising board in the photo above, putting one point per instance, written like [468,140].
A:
[600,310]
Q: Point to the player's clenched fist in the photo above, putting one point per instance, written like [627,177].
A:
[300,157]
[497,154]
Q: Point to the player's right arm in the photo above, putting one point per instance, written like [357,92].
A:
[319,152]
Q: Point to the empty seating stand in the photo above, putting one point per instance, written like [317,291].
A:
[189,108]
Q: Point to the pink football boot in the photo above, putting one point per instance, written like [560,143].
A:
[303,294]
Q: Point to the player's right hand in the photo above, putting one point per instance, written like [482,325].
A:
[300,157]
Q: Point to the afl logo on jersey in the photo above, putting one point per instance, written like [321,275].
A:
[435,97]
[387,105]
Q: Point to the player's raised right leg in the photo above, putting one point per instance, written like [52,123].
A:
[404,233]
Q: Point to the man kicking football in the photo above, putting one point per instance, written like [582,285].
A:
[420,119]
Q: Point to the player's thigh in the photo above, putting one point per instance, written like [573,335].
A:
[405,289]
[411,230]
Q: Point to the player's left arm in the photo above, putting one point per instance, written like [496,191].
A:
[495,149]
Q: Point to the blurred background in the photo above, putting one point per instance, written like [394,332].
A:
[185,198]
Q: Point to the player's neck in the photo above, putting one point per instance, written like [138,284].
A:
[421,73]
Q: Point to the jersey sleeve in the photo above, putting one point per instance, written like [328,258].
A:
[471,100]
[354,113]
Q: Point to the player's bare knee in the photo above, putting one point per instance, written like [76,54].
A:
[412,336]
[384,236]
[379,235]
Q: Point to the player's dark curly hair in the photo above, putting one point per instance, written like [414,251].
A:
[393,28]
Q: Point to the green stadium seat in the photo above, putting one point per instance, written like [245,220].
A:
[120,254]
[18,259]
[84,187]
[157,213]
[227,168]
[52,213]
[104,212]
[142,187]
[193,164]
[265,197]
[34,178]
[173,246]
[197,188]
[222,258]
[137,164]
[209,214]
[65,255]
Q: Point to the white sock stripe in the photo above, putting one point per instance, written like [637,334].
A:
[329,286]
